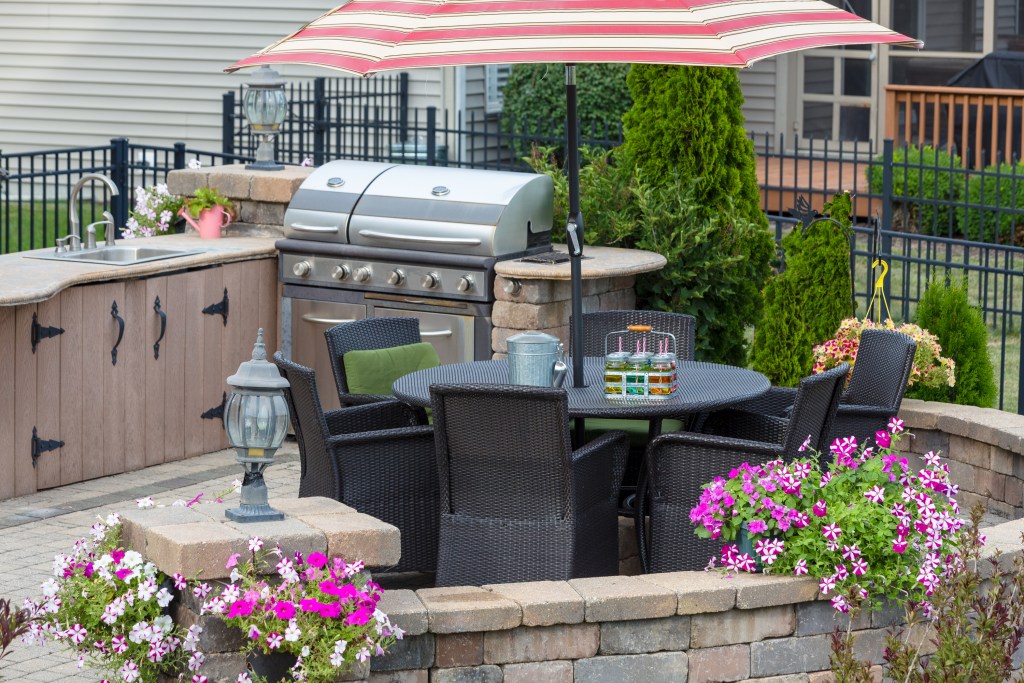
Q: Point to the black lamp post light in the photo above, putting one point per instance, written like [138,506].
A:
[256,420]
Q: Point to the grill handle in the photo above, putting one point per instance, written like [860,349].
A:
[467,241]
[439,333]
[299,227]
[309,318]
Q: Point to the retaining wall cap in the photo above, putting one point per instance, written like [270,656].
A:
[405,610]
[463,609]
[544,603]
[618,598]
[988,425]
[314,505]
[769,590]
[696,592]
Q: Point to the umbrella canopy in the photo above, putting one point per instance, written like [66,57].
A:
[366,36]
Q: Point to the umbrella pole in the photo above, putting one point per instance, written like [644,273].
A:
[574,224]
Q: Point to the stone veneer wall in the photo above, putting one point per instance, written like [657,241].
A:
[545,305]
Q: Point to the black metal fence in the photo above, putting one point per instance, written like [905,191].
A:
[35,186]
[371,120]
[928,218]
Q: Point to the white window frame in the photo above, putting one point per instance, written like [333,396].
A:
[495,76]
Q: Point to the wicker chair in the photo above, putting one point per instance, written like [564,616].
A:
[598,324]
[517,503]
[677,464]
[373,458]
[595,327]
[885,359]
[366,335]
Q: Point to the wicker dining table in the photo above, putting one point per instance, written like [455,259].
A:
[701,387]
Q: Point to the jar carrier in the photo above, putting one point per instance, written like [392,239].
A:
[639,364]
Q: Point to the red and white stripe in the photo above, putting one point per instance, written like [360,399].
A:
[366,36]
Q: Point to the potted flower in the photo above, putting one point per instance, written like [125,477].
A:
[213,210]
[316,618]
[155,212]
[868,529]
[930,368]
[111,607]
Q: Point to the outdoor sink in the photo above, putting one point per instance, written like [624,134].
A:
[115,256]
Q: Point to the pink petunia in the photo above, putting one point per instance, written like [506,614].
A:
[316,560]
[284,610]
[232,561]
[883,439]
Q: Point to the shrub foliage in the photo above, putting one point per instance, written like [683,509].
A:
[1000,189]
[809,299]
[534,97]
[717,263]
[687,122]
[924,180]
[946,312]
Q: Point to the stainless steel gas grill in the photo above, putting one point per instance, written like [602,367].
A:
[371,239]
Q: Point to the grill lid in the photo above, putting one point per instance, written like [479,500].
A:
[321,207]
[423,208]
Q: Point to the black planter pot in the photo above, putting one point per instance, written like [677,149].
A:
[273,667]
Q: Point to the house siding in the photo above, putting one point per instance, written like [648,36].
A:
[760,84]
[81,72]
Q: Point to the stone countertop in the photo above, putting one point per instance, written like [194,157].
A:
[25,280]
[598,262]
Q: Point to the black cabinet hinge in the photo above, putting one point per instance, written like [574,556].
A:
[219,308]
[217,412]
[40,446]
[40,332]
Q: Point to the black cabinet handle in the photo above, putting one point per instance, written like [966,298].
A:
[120,333]
[163,328]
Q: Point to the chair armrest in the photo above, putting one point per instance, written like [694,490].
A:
[723,443]
[376,436]
[778,402]
[865,411]
[390,414]
[592,463]
[740,424]
[362,399]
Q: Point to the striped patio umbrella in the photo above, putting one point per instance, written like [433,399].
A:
[366,36]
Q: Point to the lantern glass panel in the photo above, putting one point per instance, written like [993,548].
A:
[265,108]
[256,420]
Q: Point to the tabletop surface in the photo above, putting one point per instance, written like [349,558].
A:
[700,387]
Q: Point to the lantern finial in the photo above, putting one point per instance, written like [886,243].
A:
[259,351]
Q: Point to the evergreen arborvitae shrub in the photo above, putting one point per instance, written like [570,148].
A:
[685,129]
[809,299]
[946,311]
[820,267]
[687,122]
[782,347]
[533,101]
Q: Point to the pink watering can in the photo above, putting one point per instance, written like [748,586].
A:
[210,221]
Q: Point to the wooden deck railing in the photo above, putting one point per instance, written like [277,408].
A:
[983,123]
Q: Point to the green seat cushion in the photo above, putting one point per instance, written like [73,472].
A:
[636,429]
[373,372]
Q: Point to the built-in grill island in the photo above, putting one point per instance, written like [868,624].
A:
[374,239]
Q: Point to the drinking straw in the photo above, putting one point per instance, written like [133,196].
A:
[620,344]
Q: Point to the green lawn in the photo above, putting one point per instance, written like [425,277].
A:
[1001,291]
[22,229]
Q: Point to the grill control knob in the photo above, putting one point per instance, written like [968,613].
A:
[430,280]
[363,274]
[464,284]
[396,277]
[340,272]
[302,268]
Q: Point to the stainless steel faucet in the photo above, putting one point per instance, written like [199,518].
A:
[110,232]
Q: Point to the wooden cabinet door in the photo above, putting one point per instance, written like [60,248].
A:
[18,407]
[176,362]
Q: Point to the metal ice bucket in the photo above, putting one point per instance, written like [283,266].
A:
[535,360]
